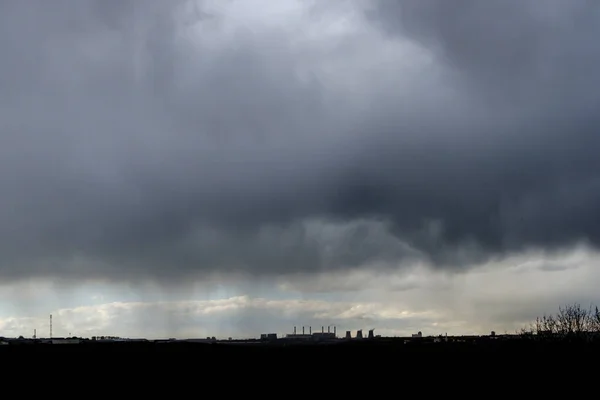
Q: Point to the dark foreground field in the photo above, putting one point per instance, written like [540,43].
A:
[345,368]
[384,348]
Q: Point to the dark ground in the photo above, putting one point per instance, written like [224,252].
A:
[381,347]
[344,370]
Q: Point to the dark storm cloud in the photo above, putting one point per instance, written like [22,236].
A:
[520,168]
[137,137]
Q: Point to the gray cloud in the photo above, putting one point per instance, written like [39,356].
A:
[153,139]
[518,170]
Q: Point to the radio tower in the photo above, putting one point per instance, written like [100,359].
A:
[50,326]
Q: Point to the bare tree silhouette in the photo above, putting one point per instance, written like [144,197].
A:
[571,321]
[595,320]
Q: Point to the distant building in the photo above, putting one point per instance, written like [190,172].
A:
[268,336]
[315,336]
[298,336]
[323,335]
[417,335]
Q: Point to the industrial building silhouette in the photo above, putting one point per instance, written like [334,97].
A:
[316,336]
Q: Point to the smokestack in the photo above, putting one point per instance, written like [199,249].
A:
[303,330]
[34,333]
[322,329]
[294,330]
[310,330]
[50,326]
[334,330]
[328,329]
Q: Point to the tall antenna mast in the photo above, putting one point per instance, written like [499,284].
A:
[50,326]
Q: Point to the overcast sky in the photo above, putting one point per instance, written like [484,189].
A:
[232,167]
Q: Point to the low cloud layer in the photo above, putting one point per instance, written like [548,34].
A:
[503,297]
[160,140]
[239,317]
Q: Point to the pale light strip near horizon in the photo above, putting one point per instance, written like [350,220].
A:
[392,304]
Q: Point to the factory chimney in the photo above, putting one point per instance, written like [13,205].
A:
[294,330]
[322,329]
[328,331]
[310,330]
[334,330]
[303,330]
